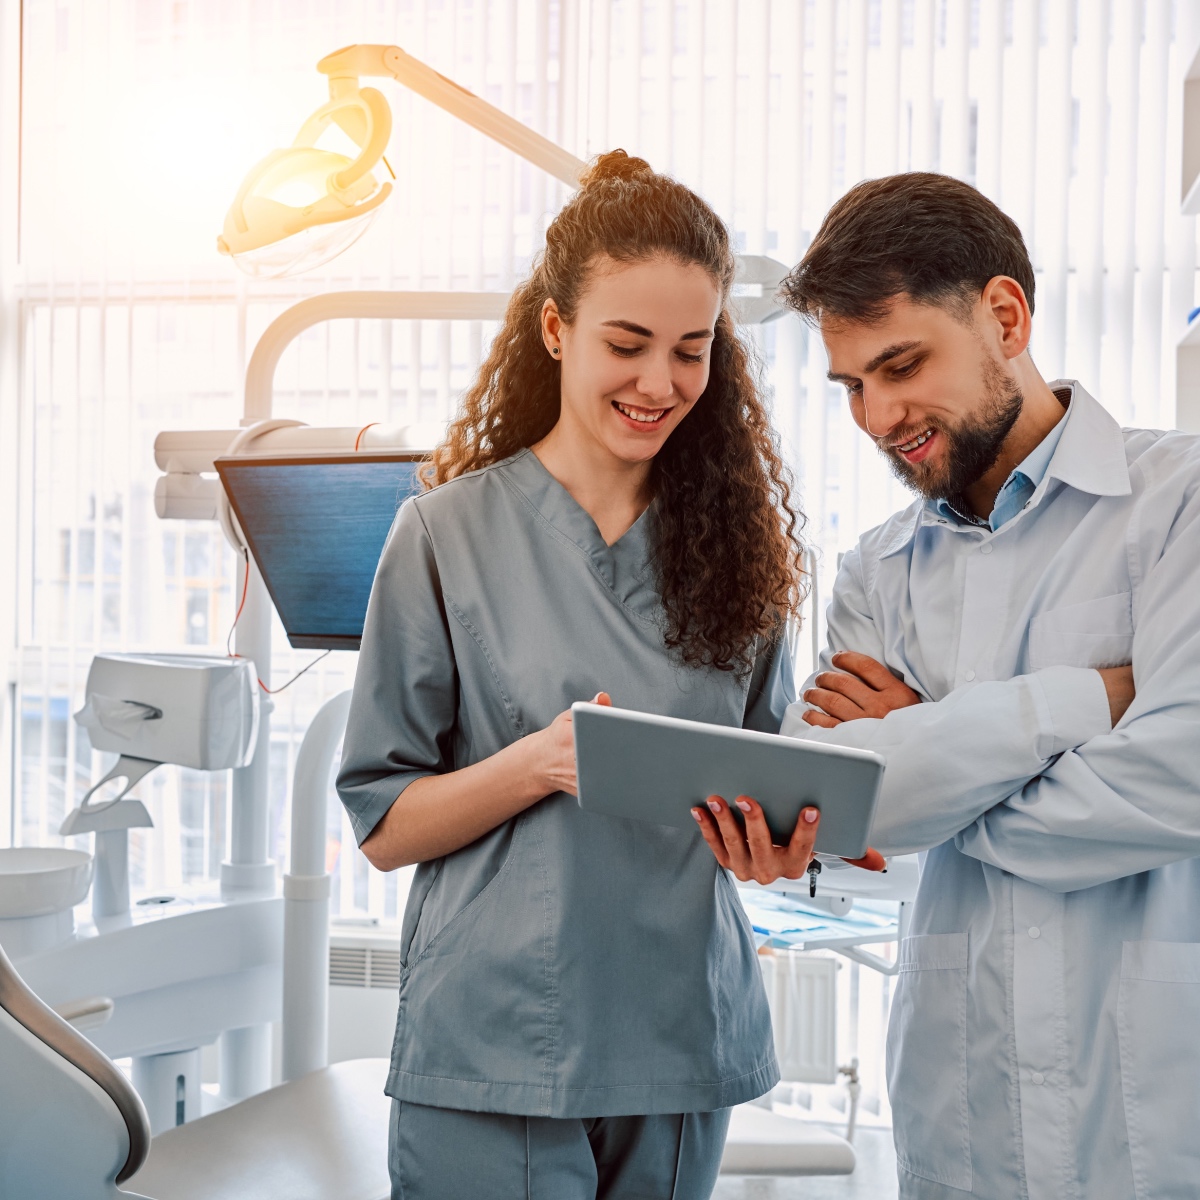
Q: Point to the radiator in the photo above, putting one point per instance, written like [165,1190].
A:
[364,980]
[802,993]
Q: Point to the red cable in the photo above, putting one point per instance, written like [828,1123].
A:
[363,430]
[237,617]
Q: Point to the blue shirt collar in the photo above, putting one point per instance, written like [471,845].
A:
[1022,481]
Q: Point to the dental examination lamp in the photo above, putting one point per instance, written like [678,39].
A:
[301,206]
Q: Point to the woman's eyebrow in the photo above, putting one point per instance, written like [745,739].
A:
[642,331]
[629,327]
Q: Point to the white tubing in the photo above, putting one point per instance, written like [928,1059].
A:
[412,306]
[306,890]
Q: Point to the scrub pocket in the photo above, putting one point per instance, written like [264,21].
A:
[1158,1021]
[1095,633]
[927,1060]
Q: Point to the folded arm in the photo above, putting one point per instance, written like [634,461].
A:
[950,761]
[1128,801]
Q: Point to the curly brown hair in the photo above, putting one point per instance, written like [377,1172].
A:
[725,536]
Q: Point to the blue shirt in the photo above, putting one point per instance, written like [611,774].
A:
[1021,483]
[1043,1035]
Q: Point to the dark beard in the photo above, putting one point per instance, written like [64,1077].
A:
[972,448]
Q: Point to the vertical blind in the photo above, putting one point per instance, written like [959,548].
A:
[137,119]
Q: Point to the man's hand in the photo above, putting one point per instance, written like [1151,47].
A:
[1118,683]
[860,687]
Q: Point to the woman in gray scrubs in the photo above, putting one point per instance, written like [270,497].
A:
[580,1002]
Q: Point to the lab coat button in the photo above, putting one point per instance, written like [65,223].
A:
[969,676]
[986,548]
[1034,932]
[1038,1078]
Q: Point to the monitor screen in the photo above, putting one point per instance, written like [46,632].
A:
[316,526]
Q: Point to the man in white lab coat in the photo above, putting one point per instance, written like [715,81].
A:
[1045,1032]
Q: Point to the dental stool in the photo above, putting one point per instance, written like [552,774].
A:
[73,1128]
[761,1142]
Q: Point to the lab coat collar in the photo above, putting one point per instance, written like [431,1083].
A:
[1089,457]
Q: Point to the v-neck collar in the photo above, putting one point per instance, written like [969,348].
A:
[624,566]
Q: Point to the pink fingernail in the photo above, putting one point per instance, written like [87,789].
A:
[810,815]
[715,805]
[743,806]
[696,814]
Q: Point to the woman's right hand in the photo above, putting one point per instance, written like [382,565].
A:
[557,751]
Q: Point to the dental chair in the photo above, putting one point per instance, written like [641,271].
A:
[73,1128]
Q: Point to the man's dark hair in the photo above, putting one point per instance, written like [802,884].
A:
[931,237]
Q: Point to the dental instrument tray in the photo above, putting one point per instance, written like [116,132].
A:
[316,525]
[634,764]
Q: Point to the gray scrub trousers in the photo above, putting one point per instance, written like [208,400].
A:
[566,965]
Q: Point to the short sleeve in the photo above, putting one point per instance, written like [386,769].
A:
[402,713]
[772,685]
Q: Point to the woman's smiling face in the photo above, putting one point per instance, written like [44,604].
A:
[635,358]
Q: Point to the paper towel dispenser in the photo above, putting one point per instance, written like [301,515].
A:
[195,710]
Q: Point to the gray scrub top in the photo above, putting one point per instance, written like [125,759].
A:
[566,964]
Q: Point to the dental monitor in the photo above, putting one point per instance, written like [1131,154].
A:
[316,525]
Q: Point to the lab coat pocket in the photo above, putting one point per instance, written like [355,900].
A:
[1158,1013]
[1094,633]
[927,1060]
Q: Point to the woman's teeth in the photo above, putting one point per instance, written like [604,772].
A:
[644,418]
[908,447]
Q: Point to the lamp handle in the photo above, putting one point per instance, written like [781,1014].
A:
[379,129]
[355,61]
[364,116]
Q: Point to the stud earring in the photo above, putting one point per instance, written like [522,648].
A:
[554,351]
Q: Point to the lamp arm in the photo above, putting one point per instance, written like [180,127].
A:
[355,61]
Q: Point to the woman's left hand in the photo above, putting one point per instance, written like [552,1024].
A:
[751,854]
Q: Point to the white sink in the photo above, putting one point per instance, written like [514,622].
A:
[38,881]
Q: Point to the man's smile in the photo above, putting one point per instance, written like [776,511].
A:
[916,449]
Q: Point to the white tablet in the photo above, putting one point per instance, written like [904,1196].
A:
[634,764]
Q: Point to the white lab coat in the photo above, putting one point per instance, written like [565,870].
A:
[1045,1034]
